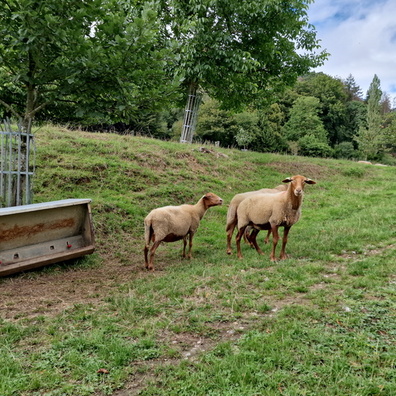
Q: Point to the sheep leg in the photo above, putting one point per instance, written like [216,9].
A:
[146,249]
[253,236]
[253,241]
[275,239]
[230,230]
[190,246]
[150,265]
[189,255]
[266,240]
[238,241]
[283,254]
[247,236]
[184,246]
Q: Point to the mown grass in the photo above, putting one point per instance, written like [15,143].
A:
[320,323]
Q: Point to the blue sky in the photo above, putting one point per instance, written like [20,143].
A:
[361,39]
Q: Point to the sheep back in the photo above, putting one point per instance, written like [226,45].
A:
[171,223]
[261,209]
[238,198]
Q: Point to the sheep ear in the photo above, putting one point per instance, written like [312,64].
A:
[309,181]
[288,180]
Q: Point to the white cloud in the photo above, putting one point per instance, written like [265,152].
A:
[361,39]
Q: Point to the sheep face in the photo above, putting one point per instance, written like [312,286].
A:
[211,199]
[298,183]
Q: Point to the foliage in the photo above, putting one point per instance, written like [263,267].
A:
[125,66]
[389,124]
[345,150]
[332,95]
[270,138]
[353,90]
[304,120]
[371,138]
[237,51]
[216,124]
[97,60]
[312,146]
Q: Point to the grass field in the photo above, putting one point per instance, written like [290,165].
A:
[320,323]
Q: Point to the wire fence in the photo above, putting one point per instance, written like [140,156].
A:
[17,165]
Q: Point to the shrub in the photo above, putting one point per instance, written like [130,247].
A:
[311,146]
[345,150]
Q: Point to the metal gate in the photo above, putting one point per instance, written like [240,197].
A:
[17,163]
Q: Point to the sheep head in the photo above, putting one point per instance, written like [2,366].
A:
[298,183]
[211,199]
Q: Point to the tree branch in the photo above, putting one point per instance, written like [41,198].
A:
[7,106]
[34,111]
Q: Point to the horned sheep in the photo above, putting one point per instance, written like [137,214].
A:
[172,223]
[271,211]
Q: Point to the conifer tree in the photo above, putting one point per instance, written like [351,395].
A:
[371,137]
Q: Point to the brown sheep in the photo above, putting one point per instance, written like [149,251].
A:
[271,211]
[172,223]
[232,218]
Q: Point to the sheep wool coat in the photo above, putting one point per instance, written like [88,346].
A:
[265,209]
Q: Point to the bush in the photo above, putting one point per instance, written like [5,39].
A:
[311,146]
[345,150]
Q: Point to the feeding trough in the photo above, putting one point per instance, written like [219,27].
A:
[35,235]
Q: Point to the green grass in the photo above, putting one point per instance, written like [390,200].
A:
[322,322]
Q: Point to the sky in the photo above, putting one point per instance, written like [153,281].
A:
[361,39]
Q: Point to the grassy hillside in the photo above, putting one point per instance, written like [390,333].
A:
[320,323]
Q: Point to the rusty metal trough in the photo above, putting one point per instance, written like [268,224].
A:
[35,235]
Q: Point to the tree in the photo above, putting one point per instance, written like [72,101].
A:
[353,90]
[333,98]
[216,124]
[102,59]
[371,137]
[390,130]
[306,128]
[270,138]
[304,120]
[386,106]
[240,52]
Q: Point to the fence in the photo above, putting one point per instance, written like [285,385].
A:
[17,156]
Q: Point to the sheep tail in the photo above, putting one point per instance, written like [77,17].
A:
[231,216]
[148,233]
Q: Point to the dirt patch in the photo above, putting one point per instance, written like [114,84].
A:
[35,293]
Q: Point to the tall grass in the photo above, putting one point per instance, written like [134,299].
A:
[320,323]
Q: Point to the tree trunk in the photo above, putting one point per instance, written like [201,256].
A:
[190,113]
